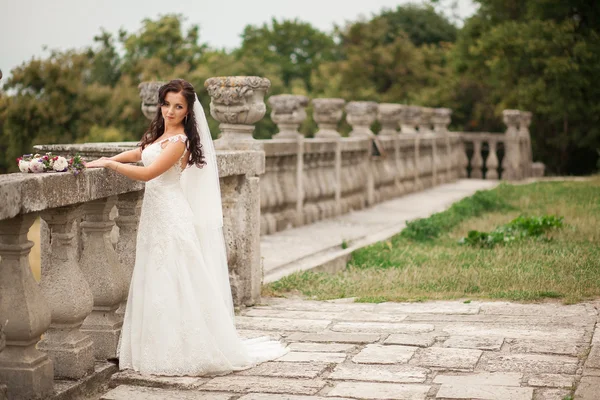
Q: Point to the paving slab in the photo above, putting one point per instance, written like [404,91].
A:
[245,384]
[384,354]
[469,342]
[484,392]
[481,379]
[446,358]
[322,347]
[381,327]
[379,373]
[132,378]
[266,396]
[330,337]
[307,370]
[419,340]
[530,363]
[125,392]
[369,390]
[551,394]
[306,356]
[552,380]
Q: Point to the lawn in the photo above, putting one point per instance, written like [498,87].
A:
[426,260]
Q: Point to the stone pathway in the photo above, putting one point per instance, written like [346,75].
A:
[418,351]
[319,245]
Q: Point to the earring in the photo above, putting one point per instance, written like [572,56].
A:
[186,119]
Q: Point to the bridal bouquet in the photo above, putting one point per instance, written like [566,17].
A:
[36,163]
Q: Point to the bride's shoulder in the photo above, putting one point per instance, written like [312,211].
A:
[180,137]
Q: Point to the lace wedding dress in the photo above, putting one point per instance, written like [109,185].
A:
[179,316]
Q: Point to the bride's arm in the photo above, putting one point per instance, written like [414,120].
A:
[129,156]
[166,159]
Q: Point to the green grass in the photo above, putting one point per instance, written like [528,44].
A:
[426,261]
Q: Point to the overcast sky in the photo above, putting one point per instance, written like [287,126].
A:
[26,26]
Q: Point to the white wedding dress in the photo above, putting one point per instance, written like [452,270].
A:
[179,317]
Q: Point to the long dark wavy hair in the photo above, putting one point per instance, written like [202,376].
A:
[157,126]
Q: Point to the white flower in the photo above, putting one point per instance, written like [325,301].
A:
[36,165]
[24,166]
[60,164]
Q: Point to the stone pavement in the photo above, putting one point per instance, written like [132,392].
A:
[417,351]
[319,245]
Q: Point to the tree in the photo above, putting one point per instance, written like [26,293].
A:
[542,56]
[422,24]
[296,47]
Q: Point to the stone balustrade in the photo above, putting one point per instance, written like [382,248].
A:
[84,274]
[89,221]
[310,179]
[505,155]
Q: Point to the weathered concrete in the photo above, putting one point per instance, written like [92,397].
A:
[381,364]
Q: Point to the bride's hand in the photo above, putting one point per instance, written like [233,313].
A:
[99,163]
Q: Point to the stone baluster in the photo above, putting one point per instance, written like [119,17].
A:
[68,294]
[426,120]
[512,157]
[237,102]
[360,115]
[410,119]
[524,123]
[463,159]
[389,115]
[27,372]
[441,119]
[477,160]
[288,113]
[492,161]
[100,265]
[129,206]
[148,92]
[327,114]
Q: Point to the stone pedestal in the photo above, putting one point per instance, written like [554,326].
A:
[426,120]
[288,113]
[149,96]
[327,114]
[100,265]
[410,119]
[27,372]
[441,119]
[68,295]
[512,157]
[361,115]
[527,151]
[238,103]
[129,206]
[389,115]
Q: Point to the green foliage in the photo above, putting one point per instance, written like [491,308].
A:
[422,24]
[517,229]
[296,47]
[432,227]
[542,56]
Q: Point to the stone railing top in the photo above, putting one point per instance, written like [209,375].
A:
[482,136]
[25,193]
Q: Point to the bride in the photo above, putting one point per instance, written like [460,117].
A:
[179,318]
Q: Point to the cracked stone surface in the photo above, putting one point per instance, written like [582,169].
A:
[340,350]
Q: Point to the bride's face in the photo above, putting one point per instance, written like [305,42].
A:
[174,109]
